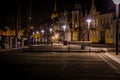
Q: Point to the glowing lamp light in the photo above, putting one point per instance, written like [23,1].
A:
[50,29]
[64,27]
[116,1]
[88,20]
[42,31]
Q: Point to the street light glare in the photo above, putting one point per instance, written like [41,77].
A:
[42,31]
[50,29]
[116,1]
[37,32]
[64,26]
[89,20]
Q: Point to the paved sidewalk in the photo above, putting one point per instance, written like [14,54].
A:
[113,56]
[13,49]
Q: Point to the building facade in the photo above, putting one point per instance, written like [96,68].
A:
[101,29]
[77,17]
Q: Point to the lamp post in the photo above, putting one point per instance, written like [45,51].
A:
[50,33]
[30,33]
[64,27]
[117,2]
[37,34]
[43,35]
[50,30]
[89,21]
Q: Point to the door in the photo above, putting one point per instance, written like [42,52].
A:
[102,37]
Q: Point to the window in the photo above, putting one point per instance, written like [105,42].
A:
[102,21]
[93,24]
[96,22]
[75,17]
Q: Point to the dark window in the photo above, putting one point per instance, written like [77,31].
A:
[70,25]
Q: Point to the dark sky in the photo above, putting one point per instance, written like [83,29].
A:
[42,9]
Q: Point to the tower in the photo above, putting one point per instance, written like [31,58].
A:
[54,14]
[18,23]
[76,23]
[30,13]
[93,11]
[29,18]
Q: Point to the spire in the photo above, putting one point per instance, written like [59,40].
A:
[86,13]
[30,13]
[93,10]
[93,1]
[54,14]
[55,8]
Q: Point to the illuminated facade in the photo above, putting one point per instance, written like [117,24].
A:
[76,23]
[101,28]
[106,30]
[7,38]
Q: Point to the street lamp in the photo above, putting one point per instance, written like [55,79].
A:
[42,31]
[117,2]
[51,35]
[89,21]
[50,30]
[37,35]
[30,34]
[64,27]
[43,35]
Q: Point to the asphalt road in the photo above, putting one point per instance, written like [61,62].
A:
[55,66]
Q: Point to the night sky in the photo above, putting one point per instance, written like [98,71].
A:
[42,9]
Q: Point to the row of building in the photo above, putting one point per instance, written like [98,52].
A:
[69,26]
[101,29]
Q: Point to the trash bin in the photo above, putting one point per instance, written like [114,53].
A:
[65,42]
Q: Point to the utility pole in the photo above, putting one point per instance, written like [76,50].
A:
[29,20]
[18,18]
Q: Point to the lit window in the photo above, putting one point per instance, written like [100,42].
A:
[76,26]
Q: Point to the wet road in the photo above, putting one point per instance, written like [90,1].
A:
[55,66]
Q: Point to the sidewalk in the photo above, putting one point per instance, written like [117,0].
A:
[113,56]
[13,49]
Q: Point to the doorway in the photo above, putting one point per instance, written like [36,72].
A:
[102,37]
